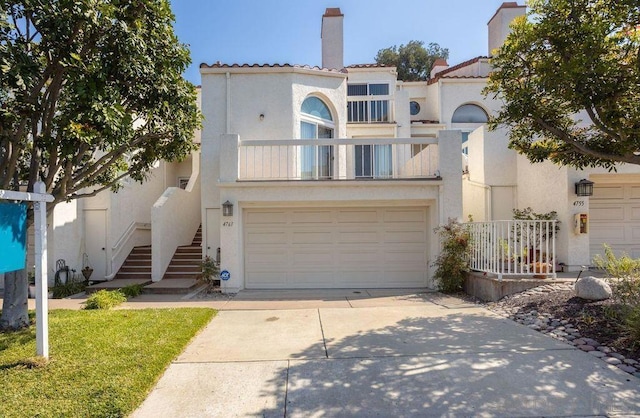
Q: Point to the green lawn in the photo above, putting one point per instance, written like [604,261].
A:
[102,363]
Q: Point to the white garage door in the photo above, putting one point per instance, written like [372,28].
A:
[335,248]
[615,218]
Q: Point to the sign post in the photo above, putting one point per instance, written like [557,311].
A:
[40,224]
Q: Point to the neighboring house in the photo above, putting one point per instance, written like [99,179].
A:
[337,176]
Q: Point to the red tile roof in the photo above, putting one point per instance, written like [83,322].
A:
[442,73]
[308,67]
[368,66]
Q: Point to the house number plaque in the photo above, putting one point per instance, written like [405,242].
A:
[227,223]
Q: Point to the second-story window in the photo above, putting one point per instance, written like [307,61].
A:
[368,103]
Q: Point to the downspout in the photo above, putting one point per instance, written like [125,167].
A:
[228,126]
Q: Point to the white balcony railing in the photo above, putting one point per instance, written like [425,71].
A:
[513,248]
[338,159]
[375,109]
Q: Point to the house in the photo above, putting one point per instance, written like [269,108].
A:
[336,176]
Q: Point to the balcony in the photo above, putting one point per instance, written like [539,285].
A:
[375,109]
[338,159]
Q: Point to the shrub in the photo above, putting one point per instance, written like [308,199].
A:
[105,299]
[73,285]
[632,325]
[132,290]
[624,276]
[210,270]
[452,264]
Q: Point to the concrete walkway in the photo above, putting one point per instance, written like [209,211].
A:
[381,353]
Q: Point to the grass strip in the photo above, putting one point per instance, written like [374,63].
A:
[102,363]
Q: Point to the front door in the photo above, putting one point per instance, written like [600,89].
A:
[95,226]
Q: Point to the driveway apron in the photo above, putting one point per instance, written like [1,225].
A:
[396,355]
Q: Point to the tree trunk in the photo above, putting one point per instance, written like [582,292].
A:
[15,313]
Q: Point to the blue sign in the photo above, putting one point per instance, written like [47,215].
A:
[225,275]
[13,236]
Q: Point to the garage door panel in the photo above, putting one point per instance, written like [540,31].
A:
[315,217]
[607,233]
[416,237]
[267,279]
[634,192]
[363,258]
[259,218]
[608,192]
[615,219]
[360,247]
[357,216]
[268,257]
[404,216]
[405,257]
[308,258]
[320,279]
[358,237]
[607,213]
[266,237]
[311,237]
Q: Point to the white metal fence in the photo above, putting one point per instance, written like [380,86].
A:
[338,159]
[513,248]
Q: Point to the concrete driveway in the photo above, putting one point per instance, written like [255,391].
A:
[394,354]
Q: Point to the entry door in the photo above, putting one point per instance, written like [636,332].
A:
[212,232]
[95,226]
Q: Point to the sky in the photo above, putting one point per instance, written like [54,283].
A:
[288,31]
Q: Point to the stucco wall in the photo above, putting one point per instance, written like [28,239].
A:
[278,95]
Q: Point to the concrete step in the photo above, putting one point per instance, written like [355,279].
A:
[138,257]
[186,261]
[174,275]
[174,286]
[141,250]
[135,269]
[139,275]
[187,256]
[116,284]
[196,249]
[184,268]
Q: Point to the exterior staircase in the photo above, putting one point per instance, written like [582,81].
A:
[181,276]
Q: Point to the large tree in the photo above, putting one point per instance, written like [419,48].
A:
[90,92]
[569,77]
[413,61]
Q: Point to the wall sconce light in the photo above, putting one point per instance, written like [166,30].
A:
[261,116]
[227,209]
[584,188]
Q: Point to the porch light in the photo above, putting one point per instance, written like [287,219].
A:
[227,209]
[584,188]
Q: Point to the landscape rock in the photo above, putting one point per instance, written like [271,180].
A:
[592,288]
[613,360]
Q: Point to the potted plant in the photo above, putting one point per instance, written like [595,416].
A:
[86,268]
[31,276]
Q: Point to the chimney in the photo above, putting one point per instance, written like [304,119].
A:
[332,34]
[440,64]
[499,24]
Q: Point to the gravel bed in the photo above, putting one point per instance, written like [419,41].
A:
[554,310]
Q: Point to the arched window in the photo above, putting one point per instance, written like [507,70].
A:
[316,122]
[469,113]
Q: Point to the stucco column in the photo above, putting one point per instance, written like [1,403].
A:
[229,144]
[450,163]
